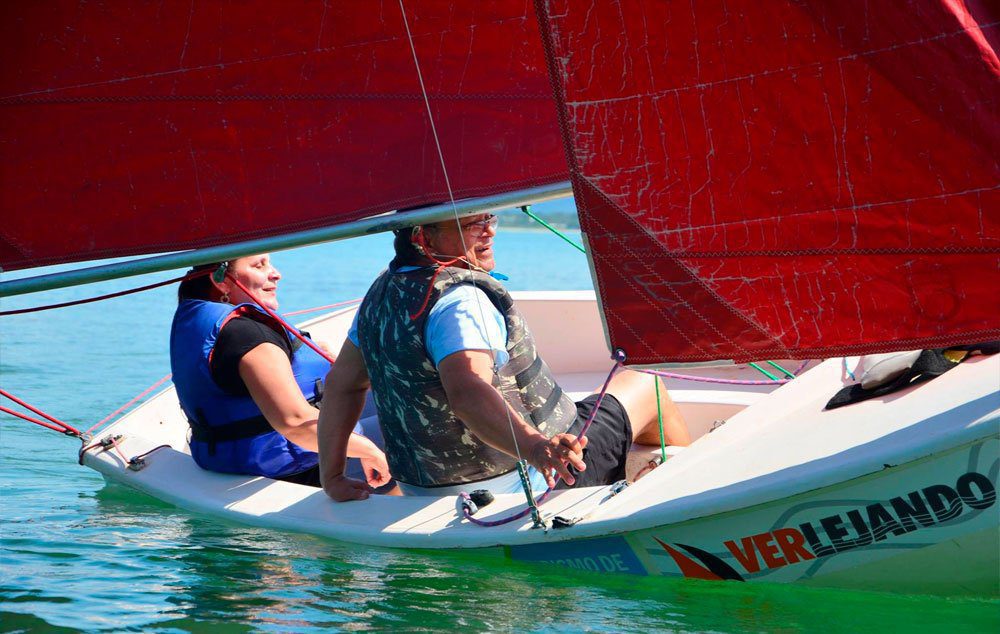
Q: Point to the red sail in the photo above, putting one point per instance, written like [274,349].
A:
[795,178]
[138,127]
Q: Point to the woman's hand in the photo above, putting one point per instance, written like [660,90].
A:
[376,469]
[372,460]
[326,348]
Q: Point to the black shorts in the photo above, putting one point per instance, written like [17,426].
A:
[609,439]
[309,477]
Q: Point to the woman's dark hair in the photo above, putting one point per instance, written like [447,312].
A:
[198,287]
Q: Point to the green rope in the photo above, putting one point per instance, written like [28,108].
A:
[527,210]
[783,370]
[659,418]
[764,372]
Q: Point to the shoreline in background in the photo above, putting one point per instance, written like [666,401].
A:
[560,215]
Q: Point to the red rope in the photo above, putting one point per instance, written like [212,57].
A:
[60,426]
[114,443]
[152,387]
[430,284]
[7,410]
[88,448]
[130,403]
[66,428]
[281,321]
[421,244]
[88,300]
[319,308]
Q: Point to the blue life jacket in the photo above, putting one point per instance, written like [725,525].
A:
[230,433]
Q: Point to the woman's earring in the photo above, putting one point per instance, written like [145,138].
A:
[225,298]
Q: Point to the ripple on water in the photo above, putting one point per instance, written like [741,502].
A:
[80,554]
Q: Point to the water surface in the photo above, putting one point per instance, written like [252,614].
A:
[77,553]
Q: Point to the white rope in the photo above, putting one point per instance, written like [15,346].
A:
[458,223]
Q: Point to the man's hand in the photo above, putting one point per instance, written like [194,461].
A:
[466,376]
[558,453]
[344,489]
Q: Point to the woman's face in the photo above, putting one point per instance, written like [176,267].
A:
[259,276]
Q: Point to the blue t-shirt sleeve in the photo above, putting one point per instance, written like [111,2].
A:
[464,318]
[352,332]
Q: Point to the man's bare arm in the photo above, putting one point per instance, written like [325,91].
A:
[343,399]
[467,378]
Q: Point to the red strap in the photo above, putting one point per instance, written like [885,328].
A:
[281,321]
[430,284]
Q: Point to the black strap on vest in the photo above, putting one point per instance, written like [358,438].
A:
[542,414]
[930,364]
[237,430]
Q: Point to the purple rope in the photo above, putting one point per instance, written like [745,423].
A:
[706,379]
[619,360]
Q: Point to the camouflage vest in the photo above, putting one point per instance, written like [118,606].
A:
[425,443]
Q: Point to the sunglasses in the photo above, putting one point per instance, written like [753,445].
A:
[477,228]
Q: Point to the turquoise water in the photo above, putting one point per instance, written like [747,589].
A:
[80,554]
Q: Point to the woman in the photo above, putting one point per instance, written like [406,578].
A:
[247,385]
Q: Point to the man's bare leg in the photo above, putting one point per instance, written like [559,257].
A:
[637,394]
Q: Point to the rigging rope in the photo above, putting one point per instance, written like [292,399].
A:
[659,420]
[467,499]
[527,211]
[61,430]
[458,225]
[789,375]
[131,402]
[708,379]
[35,309]
[298,335]
[319,308]
[763,371]
[66,428]
[114,443]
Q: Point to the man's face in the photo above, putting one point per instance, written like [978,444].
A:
[445,239]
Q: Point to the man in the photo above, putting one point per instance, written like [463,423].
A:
[460,389]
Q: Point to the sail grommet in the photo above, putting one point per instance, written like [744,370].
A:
[618,355]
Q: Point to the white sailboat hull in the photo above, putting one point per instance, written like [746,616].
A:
[897,493]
